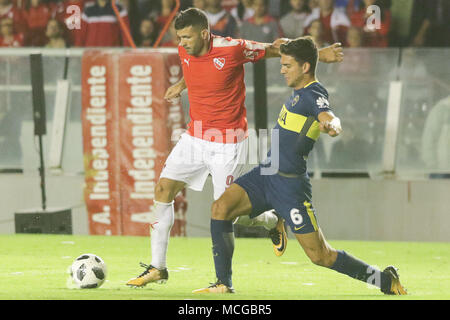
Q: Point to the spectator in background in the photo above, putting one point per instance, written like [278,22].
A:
[243,11]
[148,33]
[373,37]
[347,4]
[147,8]
[173,41]
[357,62]
[341,4]
[433,23]
[316,32]
[37,16]
[167,7]
[402,20]
[221,21]
[293,22]
[55,35]
[354,37]
[199,4]
[8,38]
[229,4]
[312,4]
[71,33]
[261,27]
[100,27]
[334,21]
[134,17]
[8,10]
[153,7]
[274,8]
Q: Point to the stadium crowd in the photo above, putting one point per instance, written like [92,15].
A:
[92,23]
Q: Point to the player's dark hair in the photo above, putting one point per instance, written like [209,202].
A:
[191,17]
[303,50]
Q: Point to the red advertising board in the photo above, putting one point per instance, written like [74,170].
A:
[102,192]
[143,129]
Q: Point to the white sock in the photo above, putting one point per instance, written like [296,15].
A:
[160,233]
[266,219]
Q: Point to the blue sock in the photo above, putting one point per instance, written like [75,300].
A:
[222,236]
[359,270]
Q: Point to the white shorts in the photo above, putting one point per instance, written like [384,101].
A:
[193,159]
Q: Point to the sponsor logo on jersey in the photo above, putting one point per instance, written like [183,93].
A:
[250,54]
[322,102]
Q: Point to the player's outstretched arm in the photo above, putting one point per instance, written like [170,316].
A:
[329,123]
[330,54]
[174,91]
[273,49]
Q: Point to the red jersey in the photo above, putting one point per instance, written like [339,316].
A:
[100,27]
[17,41]
[19,20]
[65,16]
[378,37]
[37,19]
[327,35]
[216,88]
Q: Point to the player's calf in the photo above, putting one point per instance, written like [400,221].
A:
[322,258]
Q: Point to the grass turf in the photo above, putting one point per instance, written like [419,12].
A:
[34,267]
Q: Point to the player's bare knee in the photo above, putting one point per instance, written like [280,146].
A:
[219,210]
[163,192]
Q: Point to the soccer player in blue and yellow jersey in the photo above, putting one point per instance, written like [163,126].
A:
[303,116]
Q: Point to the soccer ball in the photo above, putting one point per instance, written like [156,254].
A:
[88,271]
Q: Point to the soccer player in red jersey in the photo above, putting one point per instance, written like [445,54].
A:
[216,140]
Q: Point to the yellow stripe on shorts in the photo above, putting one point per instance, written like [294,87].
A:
[311,215]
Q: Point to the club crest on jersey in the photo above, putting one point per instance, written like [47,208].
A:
[219,63]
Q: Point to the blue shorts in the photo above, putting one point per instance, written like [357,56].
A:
[289,197]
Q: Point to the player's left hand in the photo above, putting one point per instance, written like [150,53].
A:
[173,93]
[331,54]
[330,129]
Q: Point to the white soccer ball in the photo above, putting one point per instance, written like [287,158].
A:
[88,271]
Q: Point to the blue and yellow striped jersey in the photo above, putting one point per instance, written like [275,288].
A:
[298,127]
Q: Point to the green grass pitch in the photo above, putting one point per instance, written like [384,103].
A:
[34,267]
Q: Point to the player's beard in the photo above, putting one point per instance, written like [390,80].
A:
[193,51]
[197,48]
